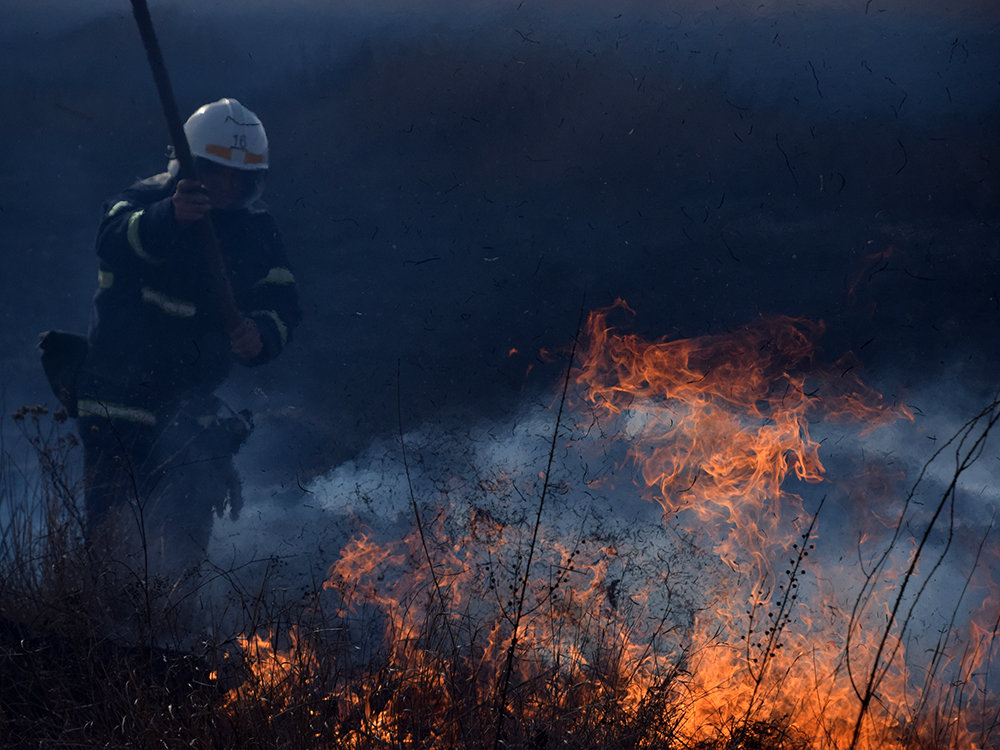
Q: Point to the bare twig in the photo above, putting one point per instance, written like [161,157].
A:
[970,444]
[501,701]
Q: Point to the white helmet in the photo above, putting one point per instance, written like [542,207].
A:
[228,133]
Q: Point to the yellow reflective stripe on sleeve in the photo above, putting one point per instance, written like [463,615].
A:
[105,279]
[135,240]
[169,305]
[91,408]
[280,324]
[117,208]
[277,275]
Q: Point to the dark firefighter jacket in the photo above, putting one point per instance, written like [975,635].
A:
[156,336]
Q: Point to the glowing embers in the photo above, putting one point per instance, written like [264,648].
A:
[763,601]
[589,650]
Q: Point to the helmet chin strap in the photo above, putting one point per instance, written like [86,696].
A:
[257,193]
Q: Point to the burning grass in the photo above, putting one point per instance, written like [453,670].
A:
[673,565]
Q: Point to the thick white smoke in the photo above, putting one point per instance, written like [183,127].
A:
[455,471]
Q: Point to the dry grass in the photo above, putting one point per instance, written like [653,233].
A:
[94,656]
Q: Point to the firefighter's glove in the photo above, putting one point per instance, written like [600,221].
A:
[245,340]
[191,202]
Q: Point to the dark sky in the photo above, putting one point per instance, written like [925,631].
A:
[455,184]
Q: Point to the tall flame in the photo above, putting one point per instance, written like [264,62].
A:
[717,423]
[773,640]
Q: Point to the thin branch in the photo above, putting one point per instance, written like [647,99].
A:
[501,702]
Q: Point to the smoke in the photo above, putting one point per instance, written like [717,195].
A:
[880,488]
[469,483]
[454,178]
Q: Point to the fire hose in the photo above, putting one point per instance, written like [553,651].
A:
[232,318]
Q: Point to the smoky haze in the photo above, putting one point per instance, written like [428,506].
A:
[455,182]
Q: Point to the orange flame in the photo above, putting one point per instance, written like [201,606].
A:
[718,428]
[717,423]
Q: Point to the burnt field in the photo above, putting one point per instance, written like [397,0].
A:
[750,506]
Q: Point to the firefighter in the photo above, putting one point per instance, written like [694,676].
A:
[157,450]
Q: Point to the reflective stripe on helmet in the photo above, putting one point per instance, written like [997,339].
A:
[135,240]
[277,275]
[223,151]
[105,279]
[169,305]
[226,152]
[91,408]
